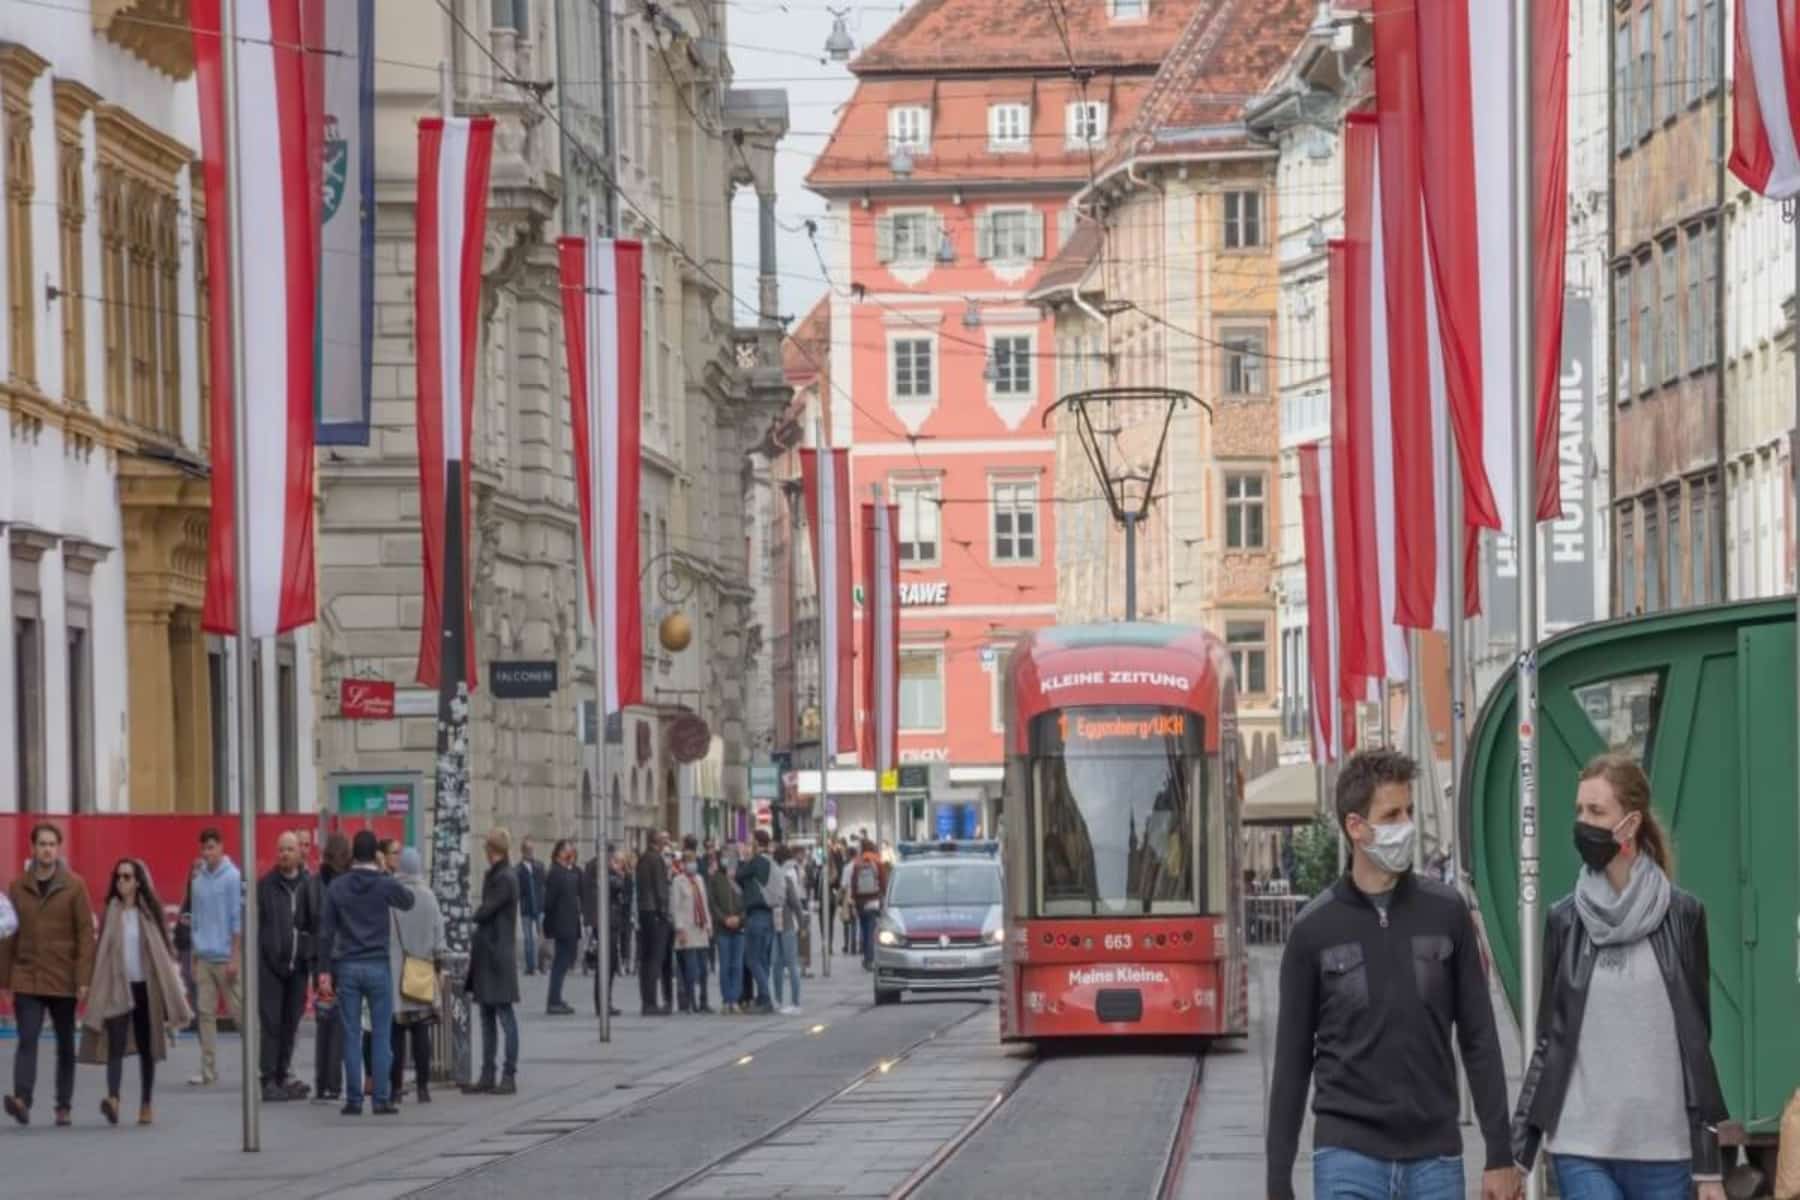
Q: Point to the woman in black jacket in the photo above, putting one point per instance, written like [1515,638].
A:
[1622,1081]
[494,966]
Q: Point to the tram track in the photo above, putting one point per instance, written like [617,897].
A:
[1088,1123]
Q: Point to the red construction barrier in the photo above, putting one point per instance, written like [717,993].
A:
[167,844]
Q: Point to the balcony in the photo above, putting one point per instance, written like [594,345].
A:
[156,31]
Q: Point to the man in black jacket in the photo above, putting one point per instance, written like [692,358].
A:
[1377,969]
[286,928]
[562,921]
[656,932]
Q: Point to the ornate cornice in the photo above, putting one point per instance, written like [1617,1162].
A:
[74,100]
[138,148]
[19,69]
[156,31]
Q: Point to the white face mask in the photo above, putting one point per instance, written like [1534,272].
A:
[1392,848]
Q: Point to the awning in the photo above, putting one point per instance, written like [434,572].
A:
[1285,796]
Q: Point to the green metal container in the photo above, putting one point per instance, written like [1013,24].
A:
[1705,697]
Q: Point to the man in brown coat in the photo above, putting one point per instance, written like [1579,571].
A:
[47,966]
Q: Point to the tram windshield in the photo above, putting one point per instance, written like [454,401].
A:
[1119,798]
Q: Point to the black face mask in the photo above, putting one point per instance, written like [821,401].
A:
[1595,844]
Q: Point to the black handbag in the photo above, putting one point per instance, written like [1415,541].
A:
[184,932]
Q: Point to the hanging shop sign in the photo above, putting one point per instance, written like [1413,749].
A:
[366,699]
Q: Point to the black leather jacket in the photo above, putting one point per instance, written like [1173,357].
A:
[1569,954]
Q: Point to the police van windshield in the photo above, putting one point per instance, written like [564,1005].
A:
[944,884]
[1117,806]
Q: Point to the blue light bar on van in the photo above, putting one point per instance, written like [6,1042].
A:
[973,847]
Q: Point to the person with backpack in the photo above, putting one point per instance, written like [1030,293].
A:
[868,881]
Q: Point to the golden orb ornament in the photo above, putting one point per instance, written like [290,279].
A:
[675,632]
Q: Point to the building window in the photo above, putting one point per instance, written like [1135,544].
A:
[1696,305]
[1009,127]
[1653,556]
[21,182]
[1712,32]
[1624,106]
[140,238]
[1125,10]
[905,237]
[1696,50]
[1669,84]
[71,209]
[1672,545]
[1709,293]
[921,691]
[1012,365]
[1699,577]
[1244,500]
[909,126]
[1622,333]
[1243,363]
[1247,641]
[1015,521]
[1087,123]
[918,504]
[1644,285]
[1625,578]
[1670,318]
[912,369]
[1243,220]
[1646,76]
[1010,235]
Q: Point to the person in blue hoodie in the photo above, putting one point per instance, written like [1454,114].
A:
[216,907]
[353,939]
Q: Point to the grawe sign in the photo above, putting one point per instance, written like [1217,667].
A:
[924,593]
[366,699]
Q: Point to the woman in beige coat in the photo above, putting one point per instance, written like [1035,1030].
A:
[136,998]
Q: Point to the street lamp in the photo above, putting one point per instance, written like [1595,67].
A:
[839,44]
[1129,490]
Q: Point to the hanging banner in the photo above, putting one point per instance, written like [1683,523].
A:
[347,218]
[1569,541]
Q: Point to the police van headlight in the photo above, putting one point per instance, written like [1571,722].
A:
[994,937]
[887,937]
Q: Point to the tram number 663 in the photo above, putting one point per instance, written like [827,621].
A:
[1118,941]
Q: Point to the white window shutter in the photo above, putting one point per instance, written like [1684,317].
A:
[1037,234]
[884,239]
[1100,120]
[984,236]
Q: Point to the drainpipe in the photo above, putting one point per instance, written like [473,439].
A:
[1075,298]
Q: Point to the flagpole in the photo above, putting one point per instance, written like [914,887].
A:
[879,741]
[1458,673]
[1525,534]
[450,820]
[827,646]
[248,1012]
[604,603]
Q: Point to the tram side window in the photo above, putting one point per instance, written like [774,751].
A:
[1118,804]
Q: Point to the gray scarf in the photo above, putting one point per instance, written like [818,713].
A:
[1620,918]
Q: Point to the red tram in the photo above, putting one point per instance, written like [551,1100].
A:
[1124,906]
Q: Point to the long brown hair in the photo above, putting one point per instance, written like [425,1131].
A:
[147,903]
[1631,788]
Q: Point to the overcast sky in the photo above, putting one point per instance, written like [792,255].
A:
[780,45]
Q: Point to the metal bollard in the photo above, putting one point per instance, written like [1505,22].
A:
[451,1044]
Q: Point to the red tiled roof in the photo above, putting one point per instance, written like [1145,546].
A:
[1072,262]
[958,151]
[806,352]
[938,36]
[1229,52]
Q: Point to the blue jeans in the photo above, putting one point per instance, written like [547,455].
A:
[357,980]
[866,918]
[1340,1174]
[760,937]
[528,931]
[501,1015]
[559,968]
[693,977]
[731,966]
[787,962]
[1620,1179]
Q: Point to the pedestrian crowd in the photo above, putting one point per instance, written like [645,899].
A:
[1621,1090]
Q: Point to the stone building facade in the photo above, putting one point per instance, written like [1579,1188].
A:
[1186,281]
[705,384]
[112,696]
